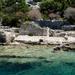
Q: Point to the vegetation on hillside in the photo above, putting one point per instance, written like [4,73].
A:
[14,11]
[48,6]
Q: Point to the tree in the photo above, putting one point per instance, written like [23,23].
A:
[50,6]
[16,5]
[9,8]
[2,4]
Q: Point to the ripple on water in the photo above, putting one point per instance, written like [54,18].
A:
[38,68]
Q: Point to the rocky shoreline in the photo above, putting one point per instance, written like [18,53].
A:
[24,52]
[29,53]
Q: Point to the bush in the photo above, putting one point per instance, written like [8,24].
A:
[11,22]
[50,6]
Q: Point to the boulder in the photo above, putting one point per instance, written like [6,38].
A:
[9,37]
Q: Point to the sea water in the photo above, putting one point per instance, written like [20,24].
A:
[59,63]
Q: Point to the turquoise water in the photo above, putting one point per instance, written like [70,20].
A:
[41,68]
[59,63]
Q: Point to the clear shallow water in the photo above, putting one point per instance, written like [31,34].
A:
[60,63]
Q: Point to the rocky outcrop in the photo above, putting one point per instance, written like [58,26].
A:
[9,37]
[6,37]
[40,39]
[69,13]
[65,47]
[32,28]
